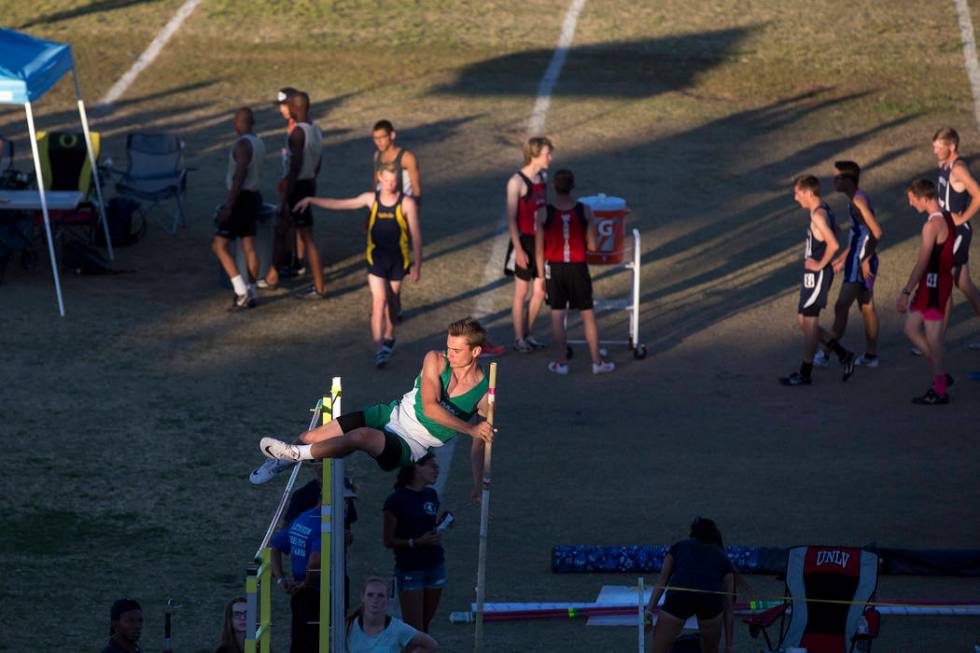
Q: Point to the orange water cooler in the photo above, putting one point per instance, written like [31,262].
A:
[610,214]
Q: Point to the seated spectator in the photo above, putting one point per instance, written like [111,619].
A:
[125,627]
[410,530]
[301,542]
[371,630]
[698,563]
[233,630]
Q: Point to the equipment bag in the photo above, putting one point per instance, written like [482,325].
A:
[127,224]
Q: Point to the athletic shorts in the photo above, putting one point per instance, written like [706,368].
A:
[568,285]
[244,214]
[961,246]
[531,271]
[931,314]
[388,264]
[396,452]
[814,289]
[417,579]
[303,188]
[685,605]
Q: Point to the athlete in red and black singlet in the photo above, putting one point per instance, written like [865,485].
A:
[955,201]
[565,234]
[936,283]
[528,204]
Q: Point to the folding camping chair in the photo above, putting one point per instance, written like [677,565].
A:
[156,173]
[830,587]
[65,165]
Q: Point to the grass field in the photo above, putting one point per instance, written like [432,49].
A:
[130,426]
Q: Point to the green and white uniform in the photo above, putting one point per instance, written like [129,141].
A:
[406,419]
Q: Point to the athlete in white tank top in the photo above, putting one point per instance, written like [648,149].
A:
[253,174]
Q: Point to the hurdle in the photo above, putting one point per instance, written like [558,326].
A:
[258,575]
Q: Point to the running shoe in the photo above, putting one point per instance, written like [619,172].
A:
[974,376]
[523,346]
[381,357]
[535,343]
[490,350]
[311,294]
[975,346]
[820,359]
[277,449]
[262,284]
[915,351]
[268,471]
[866,361]
[847,366]
[605,367]
[558,368]
[241,303]
[389,344]
[796,379]
[930,398]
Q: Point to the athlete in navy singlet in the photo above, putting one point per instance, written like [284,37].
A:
[931,280]
[957,192]
[818,274]
[393,229]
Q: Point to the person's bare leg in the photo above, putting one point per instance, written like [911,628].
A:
[965,284]
[220,248]
[591,334]
[300,251]
[313,259]
[411,605]
[558,333]
[364,439]
[913,331]
[869,315]
[534,306]
[517,308]
[251,258]
[379,301]
[430,604]
[934,334]
[710,630]
[393,291]
[665,632]
[848,293]
[329,430]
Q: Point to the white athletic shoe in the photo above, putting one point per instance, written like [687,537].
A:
[864,361]
[535,343]
[268,471]
[974,346]
[820,359]
[915,351]
[273,448]
[604,367]
[558,368]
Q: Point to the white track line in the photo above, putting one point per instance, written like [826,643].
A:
[495,264]
[150,54]
[970,53]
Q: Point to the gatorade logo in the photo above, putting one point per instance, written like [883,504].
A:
[932,280]
[606,239]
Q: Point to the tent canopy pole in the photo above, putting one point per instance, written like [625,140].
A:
[92,162]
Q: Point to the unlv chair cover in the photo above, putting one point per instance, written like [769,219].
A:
[156,173]
[838,581]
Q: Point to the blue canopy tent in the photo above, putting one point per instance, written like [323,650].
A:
[29,67]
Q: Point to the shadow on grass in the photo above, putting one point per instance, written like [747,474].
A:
[97,7]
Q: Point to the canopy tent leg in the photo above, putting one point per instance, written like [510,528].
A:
[44,207]
[92,162]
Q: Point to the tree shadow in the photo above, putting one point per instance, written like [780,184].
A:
[638,68]
[97,7]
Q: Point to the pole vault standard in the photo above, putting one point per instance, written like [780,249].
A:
[332,538]
[481,567]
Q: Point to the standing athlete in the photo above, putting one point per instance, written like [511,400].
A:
[818,275]
[859,264]
[392,223]
[406,164]
[932,281]
[284,223]
[563,231]
[305,149]
[449,391]
[526,193]
[241,209]
[959,194]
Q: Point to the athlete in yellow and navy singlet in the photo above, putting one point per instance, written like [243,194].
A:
[387,241]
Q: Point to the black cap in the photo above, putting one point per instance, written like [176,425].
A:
[284,94]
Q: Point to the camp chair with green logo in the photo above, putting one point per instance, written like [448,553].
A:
[65,165]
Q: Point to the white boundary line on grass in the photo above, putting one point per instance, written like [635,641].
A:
[969,53]
[145,59]
[495,264]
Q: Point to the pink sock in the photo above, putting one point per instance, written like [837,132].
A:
[939,383]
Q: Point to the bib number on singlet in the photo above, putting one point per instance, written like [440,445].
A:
[809,280]
[932,280]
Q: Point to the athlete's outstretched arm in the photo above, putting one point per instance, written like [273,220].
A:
[431,391]
[961,173]
[411,208]
[364,200]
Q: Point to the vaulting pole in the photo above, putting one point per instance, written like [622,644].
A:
[481,569]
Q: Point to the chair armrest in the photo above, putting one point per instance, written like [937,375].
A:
[765,618]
